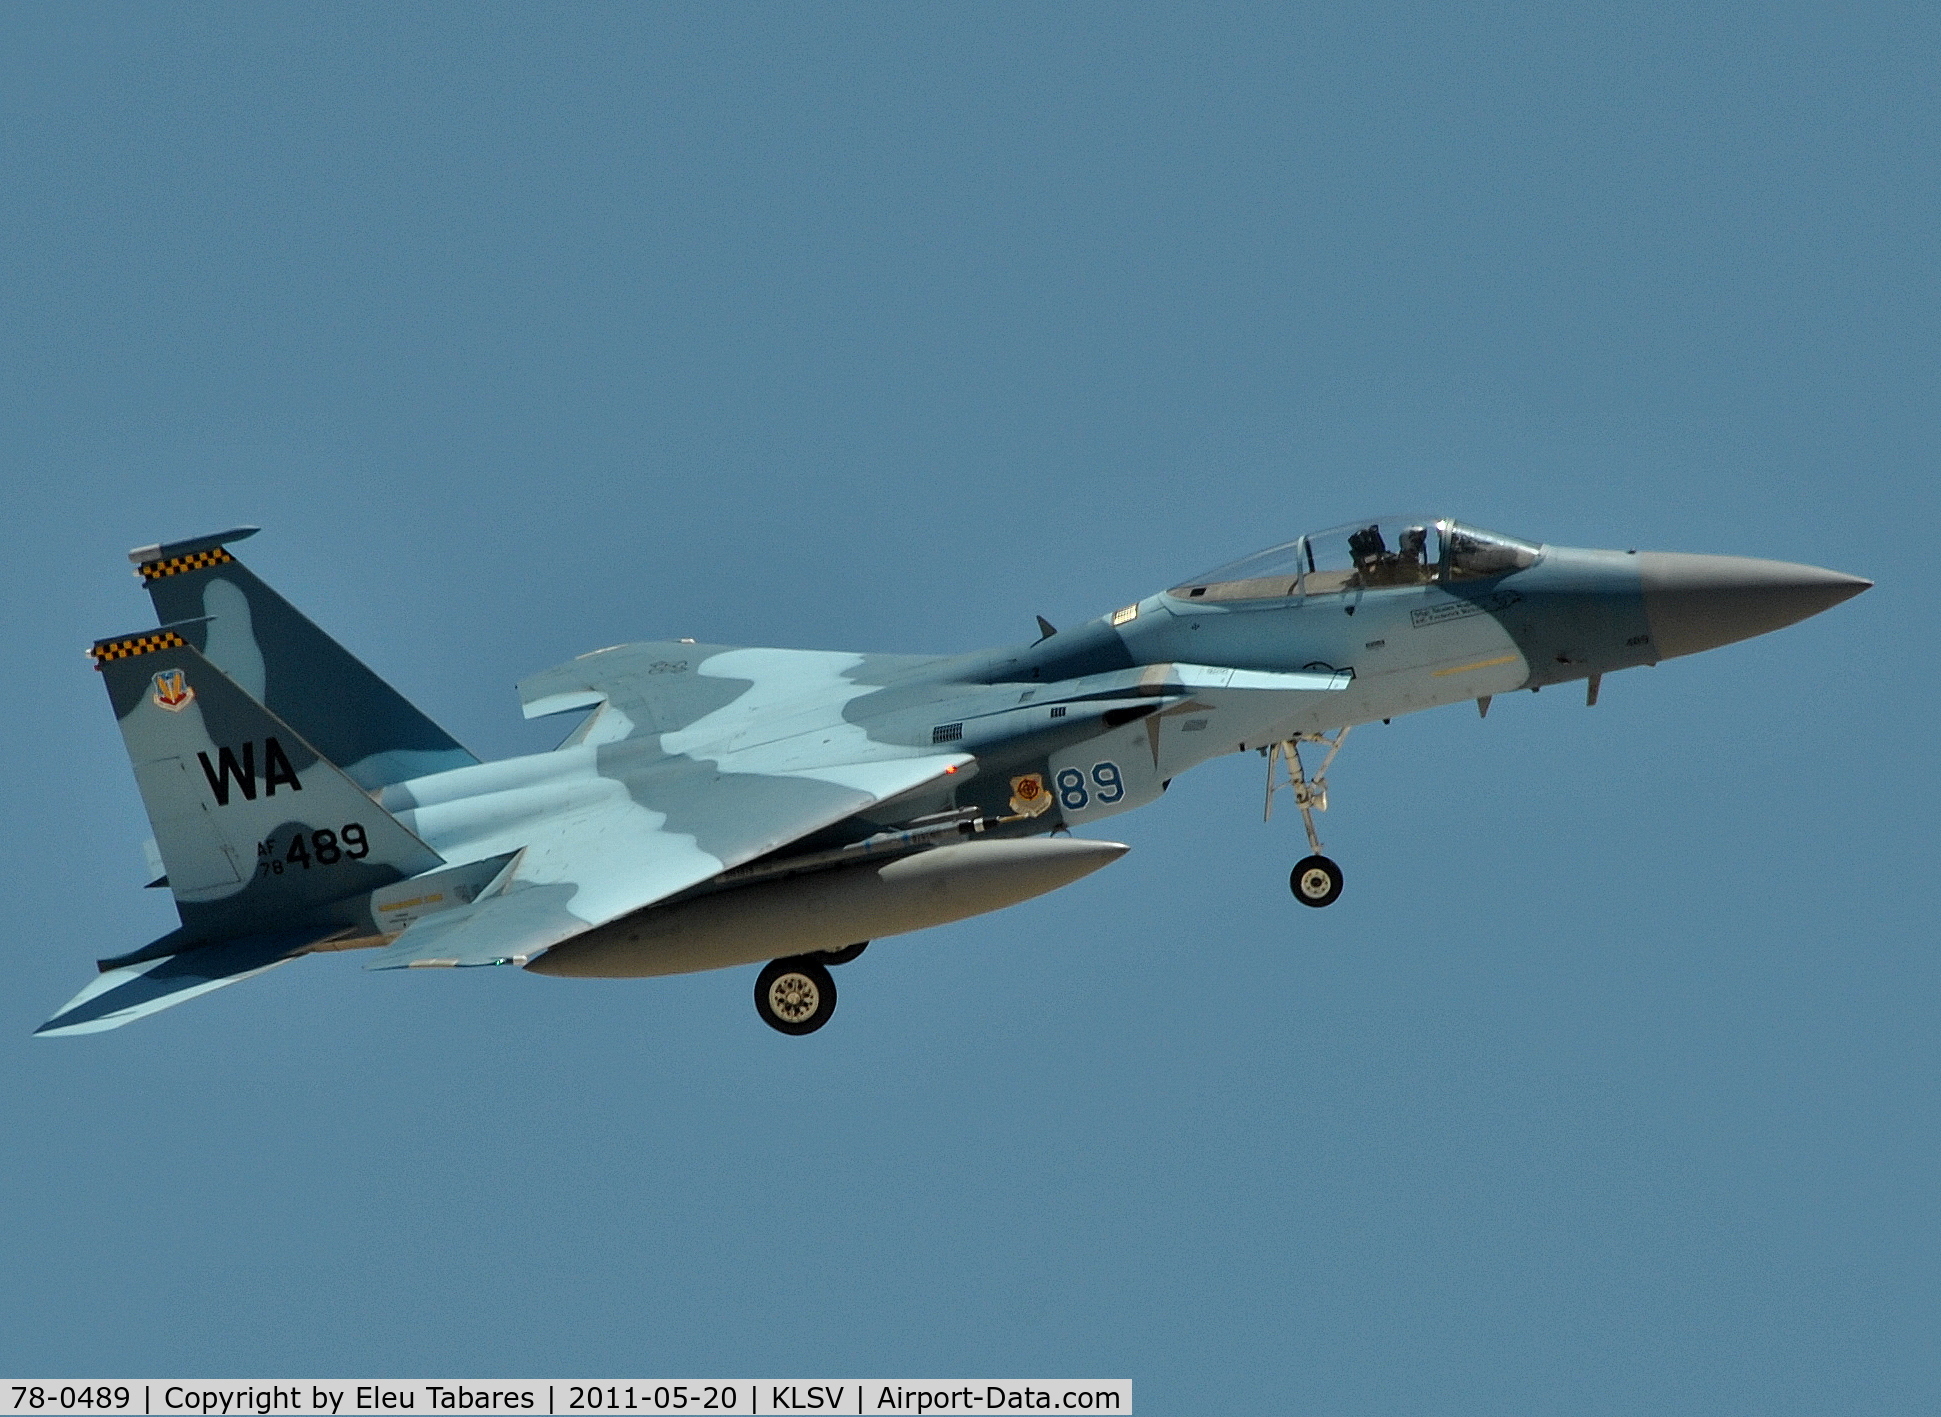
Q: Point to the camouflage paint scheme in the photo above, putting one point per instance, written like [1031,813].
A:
[301,804]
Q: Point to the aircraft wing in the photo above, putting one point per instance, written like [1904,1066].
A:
[714,755]
[667,686]
[660,829]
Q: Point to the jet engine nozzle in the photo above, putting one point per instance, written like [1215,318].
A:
[1701,602]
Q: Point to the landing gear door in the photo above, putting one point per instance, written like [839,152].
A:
[1104,776]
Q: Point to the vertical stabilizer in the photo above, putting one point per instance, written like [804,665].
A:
[277,656]
[256,828]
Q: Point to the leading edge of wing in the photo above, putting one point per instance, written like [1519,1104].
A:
[612,860]
[1210,676]
[665,686]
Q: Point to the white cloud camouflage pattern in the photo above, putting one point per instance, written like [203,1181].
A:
[722,805]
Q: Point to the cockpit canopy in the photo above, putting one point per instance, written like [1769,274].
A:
[1388,551]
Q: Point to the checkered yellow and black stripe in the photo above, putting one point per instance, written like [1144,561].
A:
[131,645]
[176,565]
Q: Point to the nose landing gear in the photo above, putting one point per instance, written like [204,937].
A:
[1316,880]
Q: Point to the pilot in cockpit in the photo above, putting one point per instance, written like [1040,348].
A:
[1357,556]
[1413,545]
[1376,565]
[1368,548]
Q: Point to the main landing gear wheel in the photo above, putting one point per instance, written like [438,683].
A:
[1316,881]
[795,996]
[843,955]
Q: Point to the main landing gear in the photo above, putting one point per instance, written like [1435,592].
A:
[796,995]
[1315,880]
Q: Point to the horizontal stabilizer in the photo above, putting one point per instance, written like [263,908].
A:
[134,991]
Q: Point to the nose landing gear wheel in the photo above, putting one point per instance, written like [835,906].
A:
[795,996]
[1316,881]
[843,955]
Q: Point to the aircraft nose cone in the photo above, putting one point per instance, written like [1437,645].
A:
[1702,602]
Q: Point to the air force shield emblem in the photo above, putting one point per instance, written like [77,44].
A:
[1028,795]
[172,690]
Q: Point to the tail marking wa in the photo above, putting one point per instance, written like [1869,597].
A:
[276,769]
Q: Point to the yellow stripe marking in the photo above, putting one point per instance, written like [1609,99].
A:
[176,565]
[1479,664]
[392,907]
[135,644]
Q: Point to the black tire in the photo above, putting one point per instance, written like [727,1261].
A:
[795,996]
[843,955]
[1315,881]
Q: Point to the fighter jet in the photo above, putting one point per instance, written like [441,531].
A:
[720,806]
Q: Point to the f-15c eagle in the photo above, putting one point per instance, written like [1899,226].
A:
[722,806]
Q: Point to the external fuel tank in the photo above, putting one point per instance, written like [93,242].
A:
[827,910]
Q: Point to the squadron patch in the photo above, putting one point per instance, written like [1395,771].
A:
[172,690]
[1028,795]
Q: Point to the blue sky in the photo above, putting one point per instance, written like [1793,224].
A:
[1608,1086]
